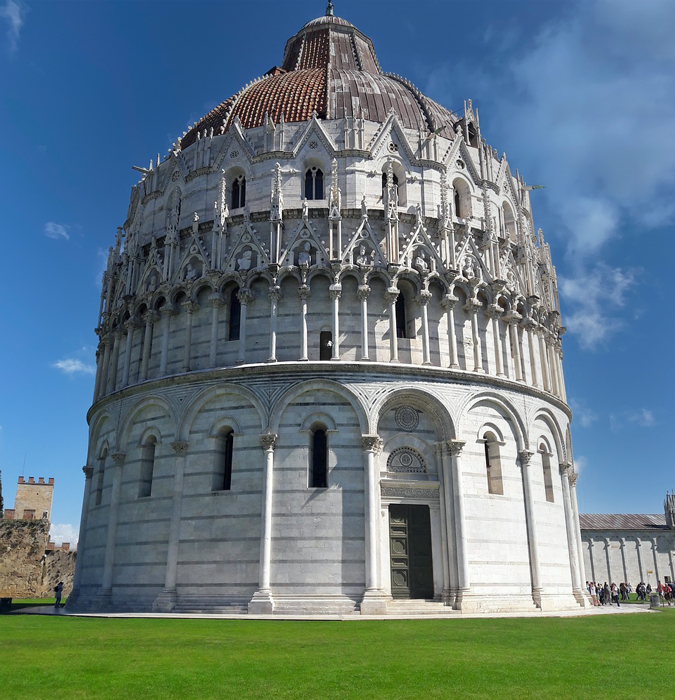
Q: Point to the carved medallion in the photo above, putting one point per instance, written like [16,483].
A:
[406,418]
[407,460]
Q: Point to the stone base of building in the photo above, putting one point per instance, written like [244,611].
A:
[262,603]
[374,603]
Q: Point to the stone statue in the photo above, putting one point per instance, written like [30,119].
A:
[190,273]
[470,269]
[244,262]
[420,261]
[363,258]
[304,257]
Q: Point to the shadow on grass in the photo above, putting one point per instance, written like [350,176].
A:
[20,603]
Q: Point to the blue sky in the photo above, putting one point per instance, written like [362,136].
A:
[580,96]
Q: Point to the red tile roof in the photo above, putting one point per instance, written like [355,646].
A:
[330,68]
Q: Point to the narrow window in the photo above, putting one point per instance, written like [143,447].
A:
[147,468]
[222,476]
[318,459]
[325,345]
[384,184]
[493,465]
[235,315]
[314,183]
[548,477]
[99,479]
[401,317]
[239,192]
[458,207]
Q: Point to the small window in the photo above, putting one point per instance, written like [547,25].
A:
[235,315]
[458,206]
[318,459]
[325,345]
[548,477]
[401,317]
[384,184]
[238,192]
[314,183]
[147,468]
[222,475]
[493,465]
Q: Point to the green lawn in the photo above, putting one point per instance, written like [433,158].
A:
[612,656]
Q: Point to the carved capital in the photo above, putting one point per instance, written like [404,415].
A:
[150,317]
[180,448]
[130,325]
[455,447]
[371,443]
[166,311]
[268,441]
[573,478]
[525,458]
[189,306]
[304,292]
[118,458]
[423,297]
[565,468]
[448,301]
[513,318]
[494,311]
[88,472]
[216,301]
[391,295]
[274,293]
[244,297]
[335,291]
[363,291]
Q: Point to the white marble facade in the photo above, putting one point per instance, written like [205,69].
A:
[409,311]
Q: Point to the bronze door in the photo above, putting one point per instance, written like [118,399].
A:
[410,552]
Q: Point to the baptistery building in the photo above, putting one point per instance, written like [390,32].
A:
[329,372]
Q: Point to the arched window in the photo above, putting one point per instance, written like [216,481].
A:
[235,315]
[314,183]
[401,317]
[222,473]
[493,465]
[238,192]
[384,183]
[147,467]
[462,199]
[318,458]
[325,345]
[548,476]
[100,475]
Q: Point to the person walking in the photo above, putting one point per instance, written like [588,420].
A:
[58,592]
[615,595]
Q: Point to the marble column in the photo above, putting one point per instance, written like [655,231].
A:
[305,293]
[150,318]
[129,326]
[114,360]
[72,599]
[166,312]
[216,304]
[494,312]
[362,292]
[189,307]
[447,510]
[423,300]
[274,295]
[529,324]
[262,602]
[513,319]
[374,602]
[461,541]
[105,594]
[577,525]
[448,303]
[166,600]
[543,359]
[472,307]
[577,583]
[244,298]
[335,291]
[531,522]
[107,343]
[99,371]
[391,296]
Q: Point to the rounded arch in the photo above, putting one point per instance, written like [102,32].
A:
[224,424]
[502,404]
[320,272]
[310,385]
[144,402]
[493,428]
[95,431]
[510,230]
[203,397]
[417,398]
[400,177]
[150,432]
[547,417]
[200,287]
[462,188]
[318,417]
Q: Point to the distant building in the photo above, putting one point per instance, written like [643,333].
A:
[630,548]
[329,373]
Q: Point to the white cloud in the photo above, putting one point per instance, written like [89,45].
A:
[72,366]
[64,533]
[580,464]
[583,415]
[13,12]
[56,231]
[642,417]
[591,298]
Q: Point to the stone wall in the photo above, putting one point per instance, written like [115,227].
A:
[22,546]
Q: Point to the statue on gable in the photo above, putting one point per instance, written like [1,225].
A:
[190,272]
[363,257]
[420,262]
[244,262]
[305,209]
[304,257]
[470,269]
[364,208]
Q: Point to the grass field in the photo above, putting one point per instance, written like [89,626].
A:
[609,656]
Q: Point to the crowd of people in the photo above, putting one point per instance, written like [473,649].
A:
[608,594]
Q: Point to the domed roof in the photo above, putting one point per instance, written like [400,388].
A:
[329,67]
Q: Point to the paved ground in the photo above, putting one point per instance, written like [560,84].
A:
[450,615]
